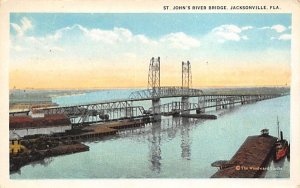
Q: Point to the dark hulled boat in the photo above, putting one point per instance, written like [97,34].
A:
[281,146]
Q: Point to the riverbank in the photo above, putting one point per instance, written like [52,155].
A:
[21,99]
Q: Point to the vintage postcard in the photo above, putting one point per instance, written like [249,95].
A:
[150,93]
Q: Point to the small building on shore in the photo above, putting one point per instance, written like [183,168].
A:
[34,113]
[20,126]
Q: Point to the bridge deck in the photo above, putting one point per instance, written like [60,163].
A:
[135,100]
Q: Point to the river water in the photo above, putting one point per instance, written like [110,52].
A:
[172,148]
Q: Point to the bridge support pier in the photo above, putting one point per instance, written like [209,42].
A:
[231,102]
[201,104]
[218,104]
[156,109]
[185,105]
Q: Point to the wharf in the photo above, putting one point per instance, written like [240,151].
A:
[124,124]
[40,147]
[105,129]
[250,160]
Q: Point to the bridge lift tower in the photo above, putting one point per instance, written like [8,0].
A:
[186,76]
[154,84]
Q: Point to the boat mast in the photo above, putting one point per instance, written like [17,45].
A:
[277,128]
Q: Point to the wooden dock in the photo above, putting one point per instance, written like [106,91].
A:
[250,160]
[105,129]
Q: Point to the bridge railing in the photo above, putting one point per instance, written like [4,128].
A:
[177,106]
[162,92]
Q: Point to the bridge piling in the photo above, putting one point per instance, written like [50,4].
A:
[201,104]
[185,105]
[218,104]
[156,109]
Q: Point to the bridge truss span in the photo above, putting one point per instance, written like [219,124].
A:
[80,114]
[165,92]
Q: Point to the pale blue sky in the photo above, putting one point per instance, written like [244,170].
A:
[76,41]
[154,26]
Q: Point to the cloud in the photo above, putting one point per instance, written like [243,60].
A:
[229,33]
[245,28]
[285,37]
[107,36]
[278,28]
[180,41]
[77,41]
[118,37]
[80,42]
[23,27]
[244,37]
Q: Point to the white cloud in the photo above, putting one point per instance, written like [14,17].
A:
[107,36]
[143,38]
[122,36]
[78,41]
[230,33]
[285,37]
[263,28]
[244,37]
[227,28]
[115,36]
[26,24]
[246,28]
[180,41]
[23,27]
[278,28]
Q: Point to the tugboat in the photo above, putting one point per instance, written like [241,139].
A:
[281,146]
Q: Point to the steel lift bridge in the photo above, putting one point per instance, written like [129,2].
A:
[127,109]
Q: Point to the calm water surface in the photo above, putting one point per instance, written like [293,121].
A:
[172,148]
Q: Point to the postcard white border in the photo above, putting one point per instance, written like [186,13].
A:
[146,6]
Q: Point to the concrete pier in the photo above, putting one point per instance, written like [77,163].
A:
[185,105]
[156,109]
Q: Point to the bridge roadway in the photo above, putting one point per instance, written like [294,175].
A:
[123,108]
[140,95]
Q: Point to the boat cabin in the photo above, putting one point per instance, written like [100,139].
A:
[265,132]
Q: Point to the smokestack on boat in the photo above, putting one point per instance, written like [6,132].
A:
[281,135]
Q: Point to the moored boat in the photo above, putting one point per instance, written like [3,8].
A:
[281,146]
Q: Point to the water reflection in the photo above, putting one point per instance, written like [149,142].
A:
[185,139]
[275,169]
[278,166]
[171,126]
[155,144]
